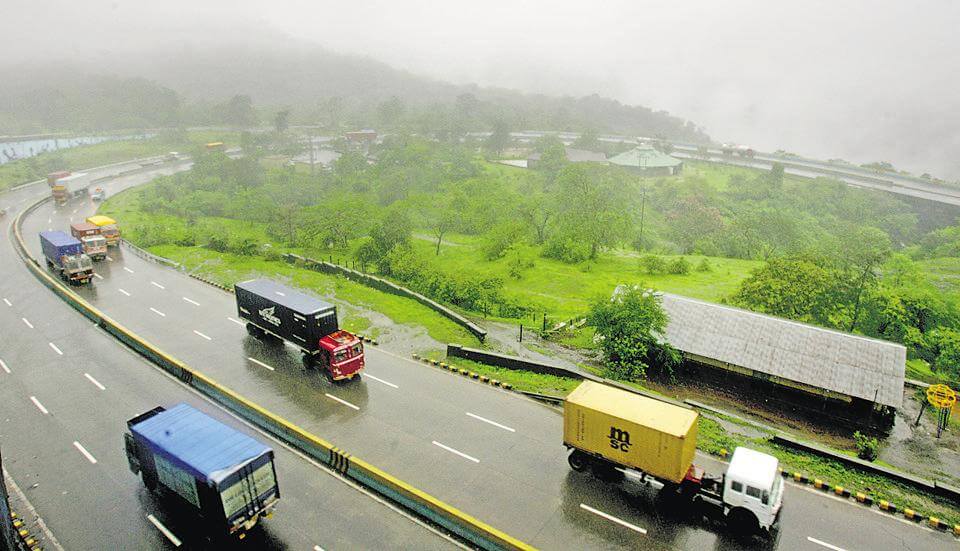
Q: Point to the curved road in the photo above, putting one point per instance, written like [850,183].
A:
[492,453]
[66,391]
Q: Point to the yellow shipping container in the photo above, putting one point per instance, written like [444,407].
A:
[101,220]
[653,436]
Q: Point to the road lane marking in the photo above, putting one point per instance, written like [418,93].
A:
[49,220]
[202,335]
[74,211]
[37,403]
[344,402]
[279,293]
[380,380]
[494,423]
[158,312]
[165,531]
[7,302]
[317,548]
[825,544]
[4,366]
[55,349]
[94,381]
[155,284]
[613,519]
[128,269]
[25,320]
[109,259]
[238,322]
[460,453]
[85,453]
[261,364]
[124,292]
[98,276]
[193,302]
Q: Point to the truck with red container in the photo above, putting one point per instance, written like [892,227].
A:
[54,176]
[94,244]
[227,477]
[64,255]
[276,312]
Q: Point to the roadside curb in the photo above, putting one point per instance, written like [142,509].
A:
[465,373]
[869,501]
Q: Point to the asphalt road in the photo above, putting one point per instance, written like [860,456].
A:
[492,453]
[66,391]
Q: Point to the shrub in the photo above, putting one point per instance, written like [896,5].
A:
[704,265]
[867,447]
[566,250]
[653,264]
[679,266]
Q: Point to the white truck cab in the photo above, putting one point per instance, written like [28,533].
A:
[753,490]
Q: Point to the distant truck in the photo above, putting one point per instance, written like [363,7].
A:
[64,255]
[228,478]
[108,228]
[70,187]
[274,310]
[94,244]
[54,176]
[609,429]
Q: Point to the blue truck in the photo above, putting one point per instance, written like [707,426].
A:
[65,256]
[227,477]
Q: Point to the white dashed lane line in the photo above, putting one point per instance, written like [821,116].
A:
[84,451]
[165,531]
[98,276]
[55,349]
[460,453]
[344,402]
[612,518]
[193,302]
[128,269]
[109,259]
[202,335]
[37,403]
[26,321]
[824,544]
[261,364]
[7,302]
[238,322]
[158,312]
[379,380]
[124,292]
[494,423]
[94,381]
[157,285]
[4,367]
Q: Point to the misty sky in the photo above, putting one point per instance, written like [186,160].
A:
[856,79]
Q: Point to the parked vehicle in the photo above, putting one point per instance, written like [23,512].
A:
[608,429]
[310,324]
[227,477]
[108,228]
[98,194]
[54,176]
[64,255]
[94,244]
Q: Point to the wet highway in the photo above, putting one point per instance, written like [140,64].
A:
[494,454]
[66,391]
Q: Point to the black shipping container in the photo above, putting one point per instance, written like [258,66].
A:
[291,315]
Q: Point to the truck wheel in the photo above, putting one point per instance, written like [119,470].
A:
[309,361]
[579,461]
[149,481]
[253,330]
[743,523]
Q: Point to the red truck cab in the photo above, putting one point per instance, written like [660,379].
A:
[344,354]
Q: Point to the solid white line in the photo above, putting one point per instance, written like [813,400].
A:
[128,269]
[258,362]
[613,518]
[55,349]
[98,276]
[193,302]
[380,380]
[124,292]
[344,402]
[166,532]
[238,322]
[7,302]
[85,453]
[37,403]
[94,381]
[25,320]
[158,312]
[155,284]
[825,544]
[202,335]
[4,366]
[451,450]
[494,423]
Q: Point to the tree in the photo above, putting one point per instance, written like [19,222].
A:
[281,121]
[499,139]
[587,140]
[632,325]
[389,112]
[391,232]
[593,206]
[553,158]
[239,112]
[799,288]
[863,250]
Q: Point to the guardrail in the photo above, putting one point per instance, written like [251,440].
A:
[158,158]
[146,255]
[458,523]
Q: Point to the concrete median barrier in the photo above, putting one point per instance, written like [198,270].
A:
[463,526]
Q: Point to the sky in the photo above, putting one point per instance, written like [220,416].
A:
[861,80]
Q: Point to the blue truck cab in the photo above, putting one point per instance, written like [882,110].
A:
[227,477]
[64,255]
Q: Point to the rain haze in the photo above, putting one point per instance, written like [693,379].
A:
[864,81]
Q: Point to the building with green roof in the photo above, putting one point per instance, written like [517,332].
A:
[647,161]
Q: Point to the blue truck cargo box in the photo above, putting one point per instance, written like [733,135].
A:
[197,443]
[57,243]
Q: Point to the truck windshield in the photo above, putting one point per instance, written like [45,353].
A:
[340,355]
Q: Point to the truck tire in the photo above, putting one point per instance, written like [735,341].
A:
[149,481]
[579,461]
[743,523]
[254,331]
[309,361]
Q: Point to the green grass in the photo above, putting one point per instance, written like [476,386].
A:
[34,168]
[228,269]
[520,380]
[920,370]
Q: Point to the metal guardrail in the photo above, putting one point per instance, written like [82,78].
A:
[458,523]
[146,255]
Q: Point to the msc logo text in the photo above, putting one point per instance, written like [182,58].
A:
[619,439]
